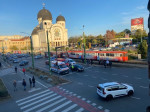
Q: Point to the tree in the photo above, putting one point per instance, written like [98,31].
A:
[142,49]
[14,47]
[127,31]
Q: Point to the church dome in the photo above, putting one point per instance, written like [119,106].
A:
[60,18]
[44,14]
[35,31]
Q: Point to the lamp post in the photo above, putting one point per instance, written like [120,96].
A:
[31,49]
[84,46]
[49,55]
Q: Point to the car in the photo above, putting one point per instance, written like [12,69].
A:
[16,60]
[23,63]
[112,90]
[78,68]
[70,61]
[38,57]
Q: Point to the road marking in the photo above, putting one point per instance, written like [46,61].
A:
[103,79]
[100,107]
[48,106]
[124,76]
[74,94]
[69,108]
[59,107]
[83,99]
[94,77]
[32,96]
[90,86]
[93,104]
[35,98]
[78,96]
[144,87]
[80,83]
[88,101]
[80,110]
[138,78]
[38,101]
[42,104]
[106,110]
[34,89]
[135,98]
[114,74]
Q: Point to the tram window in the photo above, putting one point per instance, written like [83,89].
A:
[111,54]
[107,54]
[120,55]
[101,54]
[72,53]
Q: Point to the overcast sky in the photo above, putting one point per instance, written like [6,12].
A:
[96,15]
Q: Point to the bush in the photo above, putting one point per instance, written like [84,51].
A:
[3,90]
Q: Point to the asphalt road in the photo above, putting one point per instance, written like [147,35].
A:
[83,86]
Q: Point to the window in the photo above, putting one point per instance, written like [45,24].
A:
[108,89]
[114,88]
[122,87]
[111,54]
[120,55]
[107,54]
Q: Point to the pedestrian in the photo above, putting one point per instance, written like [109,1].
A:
[15,85]
[24,84]
[30,81]
[33,81]
[16,69]
[24,70]
[91,61]
[72,68]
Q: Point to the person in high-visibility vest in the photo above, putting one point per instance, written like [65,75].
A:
[72,68]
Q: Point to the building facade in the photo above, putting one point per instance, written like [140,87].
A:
[57,33]
[15,45]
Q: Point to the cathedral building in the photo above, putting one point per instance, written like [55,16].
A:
[57,33]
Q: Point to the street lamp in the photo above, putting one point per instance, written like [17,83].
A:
[84,46]
[31,49]
[49,55]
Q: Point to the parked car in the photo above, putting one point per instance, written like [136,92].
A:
[23,63]
[78,68]
[38,57]
[16,60]
[112,90]
[70,61]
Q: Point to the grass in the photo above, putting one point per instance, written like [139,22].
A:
[3,91]
[56,80]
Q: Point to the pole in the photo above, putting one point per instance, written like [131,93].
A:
[32,52]
[84,46]
[49,53]
[148,7]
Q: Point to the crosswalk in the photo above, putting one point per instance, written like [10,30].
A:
[51,101]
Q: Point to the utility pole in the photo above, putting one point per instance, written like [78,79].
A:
[48,51]
[32,52]
[84,46]
[148,7]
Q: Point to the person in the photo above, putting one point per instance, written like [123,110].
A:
[24,70]
[30,81]
[33,81]
[15,85]
[16,69]
[72,68]
[107,62]
[110,63]
[91,61]
[24,84]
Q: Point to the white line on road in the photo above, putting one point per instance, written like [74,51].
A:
[34,89]
[37,106]
[135,98]
[59,107]
[83,99]
[106,110]
[93,104]
[80,110]
[144,87]
[38,101]
[100,107]
[90,86]
[88,101]
[69,108]
[31,96]
[124,76]
[138,78]
[35,98]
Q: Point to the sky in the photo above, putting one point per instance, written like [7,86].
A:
[97,16]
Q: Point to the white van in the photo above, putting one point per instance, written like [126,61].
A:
[59,67]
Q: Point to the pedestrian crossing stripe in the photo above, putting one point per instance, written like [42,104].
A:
[55,99]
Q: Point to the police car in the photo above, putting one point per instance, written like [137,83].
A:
[59,67]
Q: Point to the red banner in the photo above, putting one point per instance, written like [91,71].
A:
[137,21]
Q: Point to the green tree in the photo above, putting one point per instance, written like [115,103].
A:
[14,47]
[142,49]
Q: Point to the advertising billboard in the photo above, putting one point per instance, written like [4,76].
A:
[137,21]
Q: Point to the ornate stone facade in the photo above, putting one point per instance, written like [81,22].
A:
[57,33]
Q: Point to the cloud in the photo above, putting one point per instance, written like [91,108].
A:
[140,7]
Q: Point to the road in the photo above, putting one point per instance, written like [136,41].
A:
[80,95]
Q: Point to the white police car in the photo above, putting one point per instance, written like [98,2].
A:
[113,89]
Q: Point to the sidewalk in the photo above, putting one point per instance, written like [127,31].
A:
[10,76]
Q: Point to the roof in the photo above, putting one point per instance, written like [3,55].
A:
[60,18]
[44,14]
[108,84]
[35,31]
